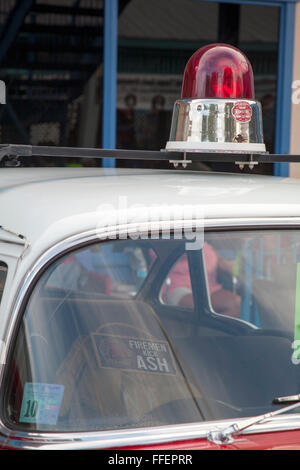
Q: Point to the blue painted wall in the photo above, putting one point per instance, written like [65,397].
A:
[110,69]
[284,85]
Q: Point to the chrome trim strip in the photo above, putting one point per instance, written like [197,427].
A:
[143,436]
[255,223]
[139,437]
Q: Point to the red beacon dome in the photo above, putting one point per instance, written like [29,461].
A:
[218,71]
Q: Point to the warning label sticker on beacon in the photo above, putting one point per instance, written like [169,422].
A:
[242,111]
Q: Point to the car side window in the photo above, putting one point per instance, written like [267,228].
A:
[3,275]
[221,266]
[177,287]
[108,270]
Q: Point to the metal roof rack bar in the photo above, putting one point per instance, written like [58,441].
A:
[12,152]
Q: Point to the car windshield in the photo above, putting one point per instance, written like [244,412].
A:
[150,332]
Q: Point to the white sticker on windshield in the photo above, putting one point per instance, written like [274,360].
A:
[133,354]
[41,403]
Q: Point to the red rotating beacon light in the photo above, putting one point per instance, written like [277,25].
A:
[218,71]
[217,111]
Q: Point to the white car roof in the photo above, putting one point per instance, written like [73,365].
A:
[34,201]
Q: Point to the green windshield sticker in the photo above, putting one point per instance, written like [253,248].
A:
[41,403]
[296,343]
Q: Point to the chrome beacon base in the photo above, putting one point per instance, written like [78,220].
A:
[217,125]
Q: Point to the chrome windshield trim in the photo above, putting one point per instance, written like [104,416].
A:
[138,436]
[255,223]
[141,436]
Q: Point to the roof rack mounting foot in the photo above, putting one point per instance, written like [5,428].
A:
[183,162]
[251,163]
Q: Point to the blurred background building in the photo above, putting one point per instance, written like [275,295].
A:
[106,73]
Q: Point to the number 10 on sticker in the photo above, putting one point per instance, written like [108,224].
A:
[41,403]
[31,409]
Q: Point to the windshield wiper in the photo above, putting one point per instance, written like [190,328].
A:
[225,436]
[286,400]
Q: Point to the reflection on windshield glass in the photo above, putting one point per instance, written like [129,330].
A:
[138,333]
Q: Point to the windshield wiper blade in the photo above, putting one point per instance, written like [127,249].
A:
[286,400]
[225,436]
